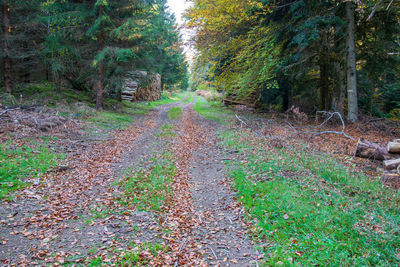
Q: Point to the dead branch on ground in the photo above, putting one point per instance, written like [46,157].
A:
[331,115]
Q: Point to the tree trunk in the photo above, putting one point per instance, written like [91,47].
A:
[6,46]
[324,73]
[351,64]
[100,79]
[340,88]
[284,88]
[323,84]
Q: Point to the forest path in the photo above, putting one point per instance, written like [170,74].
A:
[74,217]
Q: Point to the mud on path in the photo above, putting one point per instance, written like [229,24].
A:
[73,216]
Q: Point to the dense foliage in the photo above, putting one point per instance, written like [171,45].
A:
[89,44]
[301,53]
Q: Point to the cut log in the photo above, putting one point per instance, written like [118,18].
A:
[370,150]
[391,164]
[393,147]
[390,178]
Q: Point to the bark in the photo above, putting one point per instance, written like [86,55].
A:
[393,147]
[324,74]
[6,46]
[99,85]
[340,88]
[284,88]
[323,86]
[390,178]
[351,64]
[100,88]
[366,149]
[391,164]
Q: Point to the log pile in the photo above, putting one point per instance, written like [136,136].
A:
[389,155]
[141,86]
[249,101]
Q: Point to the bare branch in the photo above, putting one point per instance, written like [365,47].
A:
[391,2]
[374,10]
[7,110]
[331,114]
[242,122]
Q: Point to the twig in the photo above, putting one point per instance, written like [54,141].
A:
[182,245]
[336,132]
[215,255]
[290,125]
[241,121]
[179,250]
[374,10]
[391,2]
[375,119]
[7,110]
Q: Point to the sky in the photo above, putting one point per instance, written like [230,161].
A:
[178,7]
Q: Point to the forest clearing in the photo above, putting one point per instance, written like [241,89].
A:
[200,133]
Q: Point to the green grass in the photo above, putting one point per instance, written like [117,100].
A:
[174,113]
[19,163]
[311,210]
[148,189]
[111,120]
[139,254]
[213,111]
[189,98]
[167,131]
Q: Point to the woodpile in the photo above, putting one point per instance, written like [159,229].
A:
[249,101]
[389,155]
[141,86]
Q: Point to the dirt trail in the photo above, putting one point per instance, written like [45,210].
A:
[48,223]
[221,231]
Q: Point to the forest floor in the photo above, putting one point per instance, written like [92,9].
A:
[189,183]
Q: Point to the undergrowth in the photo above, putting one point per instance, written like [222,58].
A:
[213,111]
[311,210]
[19,163]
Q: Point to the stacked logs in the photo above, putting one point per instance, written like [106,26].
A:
[141,86]
[389,155]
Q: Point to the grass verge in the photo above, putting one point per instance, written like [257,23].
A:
[111,120]
[308,209]
[19,163]
[213,111]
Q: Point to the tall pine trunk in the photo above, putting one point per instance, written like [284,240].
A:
[323,84]
[339,91]
[100,77]
[323,63]
[352,114]
[6,46]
